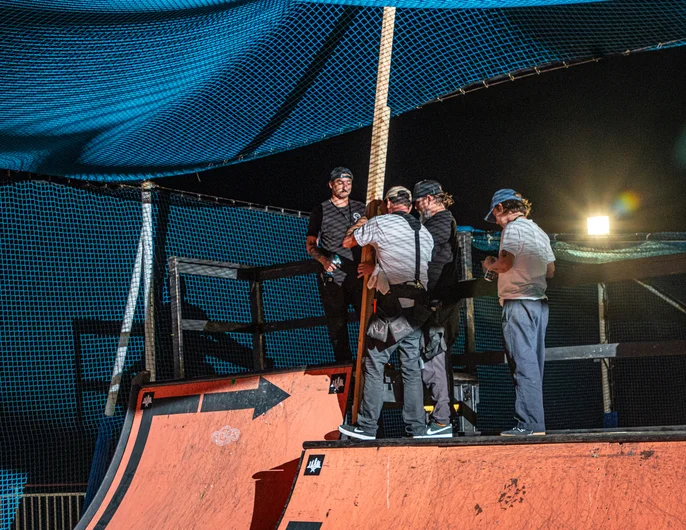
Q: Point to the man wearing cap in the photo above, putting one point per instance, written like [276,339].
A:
[403,250]
[524,262]
[432,202]
[338,284]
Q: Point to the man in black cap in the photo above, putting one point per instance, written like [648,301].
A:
[339,286]
[432,204]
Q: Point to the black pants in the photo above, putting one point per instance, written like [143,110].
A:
[335,300]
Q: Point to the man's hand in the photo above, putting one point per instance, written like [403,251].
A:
[488,263]
[327,263]
[365,269]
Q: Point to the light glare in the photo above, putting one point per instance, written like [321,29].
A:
[599,226]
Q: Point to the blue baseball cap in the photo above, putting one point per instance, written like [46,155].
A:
[502,196]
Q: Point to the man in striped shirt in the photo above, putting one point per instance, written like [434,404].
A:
[524,262]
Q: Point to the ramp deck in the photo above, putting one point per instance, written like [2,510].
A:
[591,480]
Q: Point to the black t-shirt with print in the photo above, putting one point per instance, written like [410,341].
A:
[328,224]
[440,226]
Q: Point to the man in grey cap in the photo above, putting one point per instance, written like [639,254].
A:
[403,250]
[432,204]
[338,284]
[524,262]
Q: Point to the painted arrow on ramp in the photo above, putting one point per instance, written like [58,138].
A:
[263,398]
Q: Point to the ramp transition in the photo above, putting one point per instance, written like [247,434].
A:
[617,481]
[216,454]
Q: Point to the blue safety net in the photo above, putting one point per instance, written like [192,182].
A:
[131,89]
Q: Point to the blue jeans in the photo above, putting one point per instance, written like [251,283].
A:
[524,323]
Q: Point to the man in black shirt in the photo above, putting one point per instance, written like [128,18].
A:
[339,286]
[432,202]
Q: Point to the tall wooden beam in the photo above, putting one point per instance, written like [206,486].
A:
[375,184]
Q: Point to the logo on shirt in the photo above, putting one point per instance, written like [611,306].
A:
[356,217]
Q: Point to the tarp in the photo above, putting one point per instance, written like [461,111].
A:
[132,89]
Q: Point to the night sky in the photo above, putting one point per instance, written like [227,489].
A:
[606,137]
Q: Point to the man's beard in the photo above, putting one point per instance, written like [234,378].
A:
[425,216]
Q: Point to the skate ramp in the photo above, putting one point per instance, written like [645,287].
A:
[216,454]
[616,482]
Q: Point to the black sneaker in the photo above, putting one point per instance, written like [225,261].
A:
[436,430]
[519,431]
[355,431]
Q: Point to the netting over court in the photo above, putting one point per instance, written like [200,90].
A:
[66,257]
[124,90]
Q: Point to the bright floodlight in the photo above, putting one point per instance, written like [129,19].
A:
[598,226]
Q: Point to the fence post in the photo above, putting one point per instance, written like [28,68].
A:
[257,313]
[177,330]
[464,240]
[148,290]
[609,416]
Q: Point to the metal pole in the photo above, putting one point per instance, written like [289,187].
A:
[125,331]
[257,313]
[465,242]
[177,329]
[610,417]
[375,183]
[148,280]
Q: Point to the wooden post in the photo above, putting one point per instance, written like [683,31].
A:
[375,183]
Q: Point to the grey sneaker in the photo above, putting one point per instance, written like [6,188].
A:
[436,430]
[355,431]
[519,431]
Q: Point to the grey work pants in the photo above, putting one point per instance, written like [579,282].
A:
[437,372]
[435,378]
[413,392]
[524,324]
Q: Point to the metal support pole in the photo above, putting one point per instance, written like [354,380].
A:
[148,291]
[375,182]
[177,330]
[610,417]
[464,240]
[257,312]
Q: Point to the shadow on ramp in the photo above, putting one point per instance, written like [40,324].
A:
[216,454]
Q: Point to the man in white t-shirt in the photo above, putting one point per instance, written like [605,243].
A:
[524,262]
[403,250]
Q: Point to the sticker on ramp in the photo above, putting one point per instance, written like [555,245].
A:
[314,465]
[146,402]
[337,385]
[226,435]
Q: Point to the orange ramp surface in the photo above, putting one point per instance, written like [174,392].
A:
[216,454]
[606,482]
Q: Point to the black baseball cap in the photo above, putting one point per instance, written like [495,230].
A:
[340,173]
[426,187]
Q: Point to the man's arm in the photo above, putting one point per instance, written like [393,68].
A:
[503,264]
[349,240]
[314,251]
[550,270]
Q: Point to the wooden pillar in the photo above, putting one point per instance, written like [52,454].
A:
[375,184]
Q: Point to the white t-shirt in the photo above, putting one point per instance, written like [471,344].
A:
[531,249]
[393,239]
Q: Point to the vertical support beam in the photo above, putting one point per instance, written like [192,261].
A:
[375,182]
[125,330]
[610,417]
[464,240]
[148,280]
[177,329]
[257,313]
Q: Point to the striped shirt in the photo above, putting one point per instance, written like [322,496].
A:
[531,249]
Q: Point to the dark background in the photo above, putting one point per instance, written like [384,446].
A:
[571,140]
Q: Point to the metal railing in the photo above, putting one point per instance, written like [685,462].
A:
[49,511]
